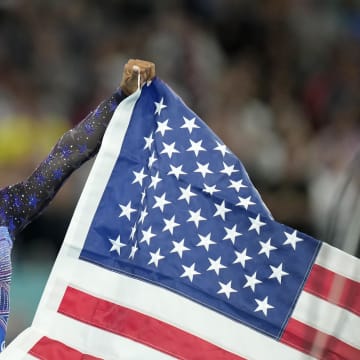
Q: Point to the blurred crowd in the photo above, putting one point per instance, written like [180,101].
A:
[277,80]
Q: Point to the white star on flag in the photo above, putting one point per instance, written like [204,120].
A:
[263,305]
[139,177]
[148,141]
[160,202]
[252,281]
[189,271]
[210,189]
[203,169]
[277,273]
[228,169]
[186,194]
[143,215]
[245,202]
[205,241]
[126,210]
[237,185]
[134,249]
[170,224]
[176,171]
[155,180]
[231,234]
[143,195]
[169,149]
[159,106]
[195,217]
[179,248]
[133,231]
[116,245]
[162,127]
[256,224]
[221,210]
[189,124]
[216,265]
[196,147]
[222,148]
[241,257]
[266,247]
[292,239]
[155,258]
[147,235]
[152,160]
[226,289]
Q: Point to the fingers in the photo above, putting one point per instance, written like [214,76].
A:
[146,68]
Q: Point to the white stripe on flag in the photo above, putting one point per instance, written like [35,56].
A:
[315,312]
[339,262]
[92,341]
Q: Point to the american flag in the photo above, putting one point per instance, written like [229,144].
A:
[171,253]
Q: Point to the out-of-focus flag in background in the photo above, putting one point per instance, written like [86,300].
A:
[171,253]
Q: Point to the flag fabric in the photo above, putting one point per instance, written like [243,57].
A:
[171,253]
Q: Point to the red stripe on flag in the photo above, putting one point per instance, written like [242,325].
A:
[49,349]
[316,343]
[334,288]
[139,327]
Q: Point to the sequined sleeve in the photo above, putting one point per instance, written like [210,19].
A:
[22,202]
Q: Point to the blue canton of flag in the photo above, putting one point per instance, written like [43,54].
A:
[180,211]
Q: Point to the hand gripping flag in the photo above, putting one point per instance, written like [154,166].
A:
[171,253]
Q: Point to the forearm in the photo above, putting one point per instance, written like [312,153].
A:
[83,141]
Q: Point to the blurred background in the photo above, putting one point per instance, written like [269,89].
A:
[277,80]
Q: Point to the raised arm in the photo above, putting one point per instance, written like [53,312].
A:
[22,202]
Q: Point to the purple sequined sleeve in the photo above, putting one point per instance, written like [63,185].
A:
[22,202]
